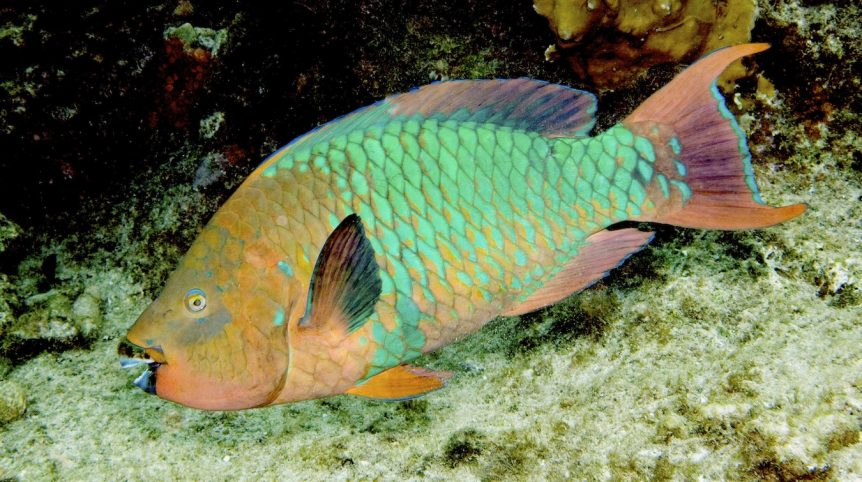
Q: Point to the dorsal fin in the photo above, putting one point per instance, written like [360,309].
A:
[551,109]
[603,252]
[345,284]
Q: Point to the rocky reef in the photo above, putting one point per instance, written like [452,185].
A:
[715,355]
[611,42]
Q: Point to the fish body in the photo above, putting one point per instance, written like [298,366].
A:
[411,223]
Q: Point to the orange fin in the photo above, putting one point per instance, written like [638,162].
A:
[603,252]
[401,383]
[711,146]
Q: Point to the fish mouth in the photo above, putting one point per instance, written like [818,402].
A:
[132,355]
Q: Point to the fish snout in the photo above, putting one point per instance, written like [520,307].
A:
[132,355]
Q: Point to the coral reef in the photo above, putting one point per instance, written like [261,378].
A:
[610,42]
[710,355]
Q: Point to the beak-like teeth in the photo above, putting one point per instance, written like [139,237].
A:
[132,355]
[133,362]
[146,381]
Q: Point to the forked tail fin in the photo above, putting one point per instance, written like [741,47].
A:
[690,121]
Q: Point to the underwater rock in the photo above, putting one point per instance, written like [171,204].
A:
[13,401]
[610,42]
[48,318]
[87,313]
[197,38]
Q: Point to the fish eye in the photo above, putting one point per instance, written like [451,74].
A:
[196,300]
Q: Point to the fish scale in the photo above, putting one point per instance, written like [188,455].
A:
[519,213]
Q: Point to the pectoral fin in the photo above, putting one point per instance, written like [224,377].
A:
[401,383]
[345,284]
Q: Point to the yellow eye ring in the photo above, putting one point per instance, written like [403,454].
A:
[196,300]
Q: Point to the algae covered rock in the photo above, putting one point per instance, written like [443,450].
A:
[13,401]
[611,41]
[52,318]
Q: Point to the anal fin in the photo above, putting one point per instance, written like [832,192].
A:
[401,383]
[603,252]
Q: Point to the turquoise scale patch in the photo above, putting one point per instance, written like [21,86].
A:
[411,126]
[278,319]
[486,138]
[541,147]
[286,162]
[406,233]
[609,145]
[407,309]
[425,229]
[588,169]
[683,189]
[520,257]
[441,226]
[622,179]
[387,286]
[433,195]
[675,145]
[356,155]
[390,241]
[644,148]
[374,151]
[504,139]
[382,208]
[594,149]
[338,142]
[392,127]
[430,167]
[415,197]
[637,193]
[415,339]
[466,135]
[358,183]
[680,167]
[392,150]
[484,162]
[662,182]
[414,262]
[606,166]
[562,149]
[403,282]
[645,170]
[429,143]
[629,157]
[432,254]
[623,135]
[269,171]
[464,278]
[522,141]
[601,187]
[285,268]
[410,145]
[466,188]
[485,187]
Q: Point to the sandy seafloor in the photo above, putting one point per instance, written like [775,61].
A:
[711,356]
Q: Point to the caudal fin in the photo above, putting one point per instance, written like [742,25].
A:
[706,150]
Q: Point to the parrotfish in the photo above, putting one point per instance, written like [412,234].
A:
[408,224]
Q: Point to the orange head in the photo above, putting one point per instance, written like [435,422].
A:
[216,336]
